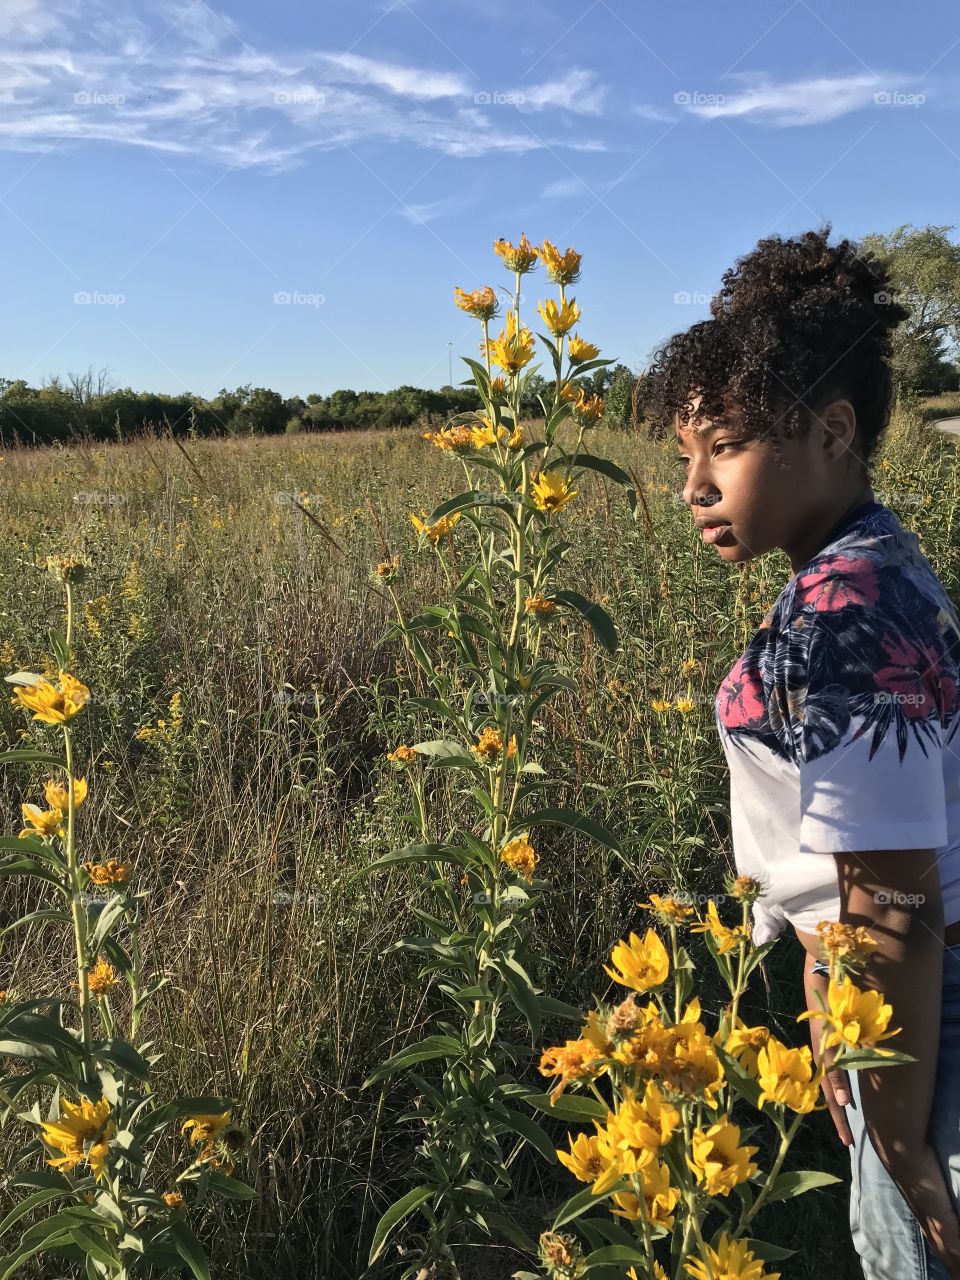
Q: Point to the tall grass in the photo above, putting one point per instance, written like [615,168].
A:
[266,786]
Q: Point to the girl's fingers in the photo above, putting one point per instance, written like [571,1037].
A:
[837,1112]
[840,1084]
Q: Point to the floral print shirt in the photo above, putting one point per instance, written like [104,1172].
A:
[839,723]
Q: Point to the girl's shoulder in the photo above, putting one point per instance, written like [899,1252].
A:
[865,630]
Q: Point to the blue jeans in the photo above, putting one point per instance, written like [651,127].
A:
[885,1233]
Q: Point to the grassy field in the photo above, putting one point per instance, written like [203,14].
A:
[242,707]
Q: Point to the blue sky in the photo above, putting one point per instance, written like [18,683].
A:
[167,169]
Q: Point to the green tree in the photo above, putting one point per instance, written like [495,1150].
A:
[924,267]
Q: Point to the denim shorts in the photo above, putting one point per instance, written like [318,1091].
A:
[885,1233]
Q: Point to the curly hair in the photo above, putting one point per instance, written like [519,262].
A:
[796,323]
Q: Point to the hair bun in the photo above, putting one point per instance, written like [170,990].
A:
[805,274]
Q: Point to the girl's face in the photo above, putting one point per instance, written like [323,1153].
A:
[772,492]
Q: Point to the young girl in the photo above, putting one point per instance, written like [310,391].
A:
[839,720]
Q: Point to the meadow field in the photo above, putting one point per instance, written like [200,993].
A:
[244,702]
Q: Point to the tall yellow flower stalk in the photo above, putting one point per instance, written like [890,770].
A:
[658,1086]
[489,659]
[97,1135]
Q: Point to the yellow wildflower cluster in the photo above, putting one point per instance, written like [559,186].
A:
[520,856]
[82,1132]
[540,605]
[439,529]
[217,1137]
[106,873]
[52,703]
[490,744]
[163,726]
[402,755]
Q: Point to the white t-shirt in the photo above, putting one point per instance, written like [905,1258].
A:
[839,723]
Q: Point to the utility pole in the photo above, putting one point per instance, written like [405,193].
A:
[450,364]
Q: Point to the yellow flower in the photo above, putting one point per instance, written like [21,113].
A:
[521,257]
[583,1159]
[102,977]
[516,439]
[660,705]
[573,1060]
[633,1135]
[639,965]
[490,744]
[539,604]
[787,1077]
[590,408]
[50,704]
[579,351]
[485,435]
[520,856]
[173,1199]
[726,939]
[458,439]
[562,268]
[512,348]
[481,303]
[744,1043]
[439,529]
[551,492]
[718,1160]
[668,909]
[559,320]
[42,822]
[689,665]
[498,385]
[82,1132]
[660,1198]
[209,1130]
[58,797]
[402,755]
[387,568]
[689,1060]
[844,945]
[859,1018]
[685,705]
[110,872]
[731,1260]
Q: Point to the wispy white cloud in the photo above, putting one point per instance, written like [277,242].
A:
[420,213]
[815,100]
[565,188]
[181,79]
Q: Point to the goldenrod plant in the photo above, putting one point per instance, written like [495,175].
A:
[119,1167]
[484,657]
[669,1155]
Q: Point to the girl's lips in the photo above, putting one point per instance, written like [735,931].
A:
[714,533]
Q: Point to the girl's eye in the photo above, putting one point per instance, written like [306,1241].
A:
[728,444]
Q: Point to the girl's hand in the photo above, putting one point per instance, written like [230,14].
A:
[835,1084]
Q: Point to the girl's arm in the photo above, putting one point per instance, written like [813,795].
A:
[895,894]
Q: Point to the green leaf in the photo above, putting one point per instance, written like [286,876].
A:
[231,1188]
[529,1129]
[36,1028]
[767,1252]
[581,1202]
[573,822]
[48,913]
[550,1006]
[613,1253]
[798,1181]
[189,1248]
[123,1055]
[412,853]
[598,618]
[739,1079]
[603,465]
[858,1059]
[106,919]
[395,1215]
[569,1106]
[30,867]
[31,756]
[510,1231]
[30,1203]
[423,1051]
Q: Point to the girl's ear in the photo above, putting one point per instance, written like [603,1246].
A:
[839,421]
